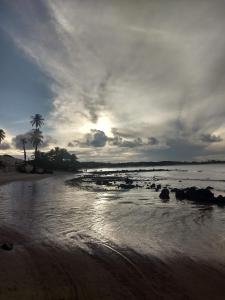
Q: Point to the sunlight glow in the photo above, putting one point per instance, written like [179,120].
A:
[104,124]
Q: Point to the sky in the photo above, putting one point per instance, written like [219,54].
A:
[116,80]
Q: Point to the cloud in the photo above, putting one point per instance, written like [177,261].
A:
[131,143]
[96,138]
[153,141]
[70,145]
[17,141]
[210,138]
[5,146]
[152,68]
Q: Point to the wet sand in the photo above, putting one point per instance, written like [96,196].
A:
[16,176]
[43,269]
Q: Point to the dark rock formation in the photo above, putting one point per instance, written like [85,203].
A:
[158,187]
[204,196]
[209,188]
[127,186]
[128,181]
[220,200]
[7,246]
[165,194]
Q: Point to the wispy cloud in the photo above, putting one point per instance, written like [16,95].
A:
[155,68]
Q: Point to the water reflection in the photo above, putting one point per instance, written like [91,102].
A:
[138,219]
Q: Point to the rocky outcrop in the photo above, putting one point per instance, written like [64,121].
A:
[7,246]
[165,194]
[195,194]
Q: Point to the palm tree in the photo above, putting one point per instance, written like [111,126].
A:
[37,121]
[24,142]
[2,135]
[36,140]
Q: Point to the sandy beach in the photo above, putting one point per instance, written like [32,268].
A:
[46,270]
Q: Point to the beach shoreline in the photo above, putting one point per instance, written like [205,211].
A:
[9,177]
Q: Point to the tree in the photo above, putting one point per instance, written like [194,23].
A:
[2,135]
[37,121]
[58,159]
[36,140]
[24,142]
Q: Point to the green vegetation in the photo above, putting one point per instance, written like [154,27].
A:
[57,159]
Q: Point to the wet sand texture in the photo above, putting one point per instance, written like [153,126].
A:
[46,270]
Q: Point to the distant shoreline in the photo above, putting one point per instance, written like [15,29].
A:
[93,164]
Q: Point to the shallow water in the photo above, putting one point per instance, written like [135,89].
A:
[136,219]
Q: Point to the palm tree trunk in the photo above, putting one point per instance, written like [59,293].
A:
[36,150]
[24,153]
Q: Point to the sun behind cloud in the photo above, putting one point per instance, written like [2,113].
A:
[104,124]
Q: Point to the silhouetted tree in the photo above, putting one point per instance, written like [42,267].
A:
[58,159]
[24,142]
[36,140]
[37,121]
[36,136]
[2,135]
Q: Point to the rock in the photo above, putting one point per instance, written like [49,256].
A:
[7,246]
[158,187]
[180,194]
[201,195]
[165,194]
[99,182]
[195,194]
[210,188]
[128,181]
[220,200]
[152,186]
[127,186]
